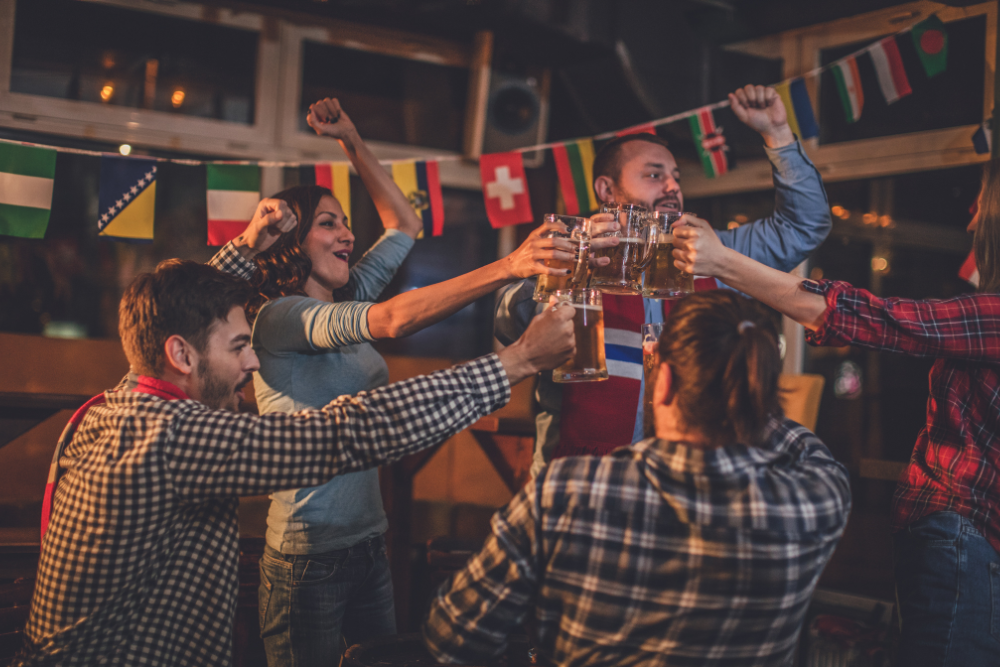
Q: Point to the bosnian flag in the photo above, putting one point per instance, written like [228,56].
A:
[849,84]
[127,199]
[889,69]
[233,195]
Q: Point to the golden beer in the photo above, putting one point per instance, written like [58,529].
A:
[621,276]
[650,345]
[662,279]
[588,363]
[578,232]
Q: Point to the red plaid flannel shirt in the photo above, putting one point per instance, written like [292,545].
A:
[956,459]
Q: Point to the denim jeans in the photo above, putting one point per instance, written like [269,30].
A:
[307,602]
[948,589]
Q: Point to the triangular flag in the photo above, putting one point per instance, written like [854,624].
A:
[849,85]
[889,69]
[969,273]
[127,199]
[709,142]
[335,177]
[233,195]
[26,177]
[505,189]
[798,108]
[421,185]
[931,40]
[575,168]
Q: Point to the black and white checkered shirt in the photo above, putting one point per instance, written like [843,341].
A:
[229,260]
[139,563]
[659,554]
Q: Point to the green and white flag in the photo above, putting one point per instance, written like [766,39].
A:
[26,175]
[233,195]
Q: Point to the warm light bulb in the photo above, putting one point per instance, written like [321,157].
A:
[880,264]
[106,92]
[124,149]
[732,224]
[177,98]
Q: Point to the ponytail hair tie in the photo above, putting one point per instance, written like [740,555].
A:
[744,325]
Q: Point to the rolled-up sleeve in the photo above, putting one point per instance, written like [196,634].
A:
[514,311]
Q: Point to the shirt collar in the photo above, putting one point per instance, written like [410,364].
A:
[160,388]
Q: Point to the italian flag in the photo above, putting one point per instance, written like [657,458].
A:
[575,168]
[26,176]
[849,84]
[233,195]
[889,69]
[710,143]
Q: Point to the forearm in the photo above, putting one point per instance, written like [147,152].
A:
[781,291]
[411,311]
[393,208]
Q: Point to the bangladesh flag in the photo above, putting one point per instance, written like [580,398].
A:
[233,195]
[575,168]
[931,40]
[26,176]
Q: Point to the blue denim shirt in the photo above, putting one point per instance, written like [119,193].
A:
[800,222]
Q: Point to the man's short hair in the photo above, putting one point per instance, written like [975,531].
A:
[608,161]
[181,298]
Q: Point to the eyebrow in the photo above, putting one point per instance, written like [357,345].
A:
[242,338]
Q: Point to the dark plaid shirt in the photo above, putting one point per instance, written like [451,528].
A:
[956,460]
[658,554]
[139,563]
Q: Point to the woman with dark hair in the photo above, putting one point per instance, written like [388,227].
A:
[946,509]
[701,546]
[324,571]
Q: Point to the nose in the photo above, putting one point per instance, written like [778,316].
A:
[251,364]
[348,237]
[670,185]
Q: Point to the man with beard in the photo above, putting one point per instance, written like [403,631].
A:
[598,417]
[139,558]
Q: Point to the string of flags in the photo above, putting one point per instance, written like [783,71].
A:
[128,185]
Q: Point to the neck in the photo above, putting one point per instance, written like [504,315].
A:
[669,426]
[313,289]
[185,383]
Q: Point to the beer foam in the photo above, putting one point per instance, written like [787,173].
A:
[587,306]
[665,237]
[632,239]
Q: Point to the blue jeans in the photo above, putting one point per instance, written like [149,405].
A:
[948,589]
[307,602]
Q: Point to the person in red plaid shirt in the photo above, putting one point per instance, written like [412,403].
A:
[139,560]
[946,509]
[699,547]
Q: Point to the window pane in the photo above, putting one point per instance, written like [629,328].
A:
[81,51]
[389,99]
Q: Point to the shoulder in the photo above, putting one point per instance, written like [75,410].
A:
[595,482]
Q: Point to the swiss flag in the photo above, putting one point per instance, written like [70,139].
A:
[505,189]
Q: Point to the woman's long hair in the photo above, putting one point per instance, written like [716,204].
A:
[986,242]
[723,351]
[283,268]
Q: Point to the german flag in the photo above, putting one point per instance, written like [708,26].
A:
[421,185]
[336,176]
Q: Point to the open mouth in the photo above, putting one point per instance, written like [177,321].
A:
[668,205]
[240,395]
[343,254]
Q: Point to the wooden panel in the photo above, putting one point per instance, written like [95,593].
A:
[479,92]
[39,365]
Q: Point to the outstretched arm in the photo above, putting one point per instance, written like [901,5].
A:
[328,119]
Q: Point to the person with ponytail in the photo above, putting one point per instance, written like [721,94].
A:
[946,508]
[701,546]
[324,572]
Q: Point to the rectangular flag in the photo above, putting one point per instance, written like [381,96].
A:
[127,199]
[505,189]
[645,128]
[798,108]
[889,69]
[421,185]
[233,195]
[852,96]
[26,176]
[575,168]
[931,40]
[709,142]
[334,176]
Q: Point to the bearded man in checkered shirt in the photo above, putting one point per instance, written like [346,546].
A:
[701,546]
[139,561]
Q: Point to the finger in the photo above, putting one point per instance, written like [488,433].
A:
[602,217]
[604,242]
[552,253]
[761,95]
[288,223]
[604,227]
[600,261]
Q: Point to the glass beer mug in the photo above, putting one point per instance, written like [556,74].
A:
[588,364]
[661,279]
[622,275]
[578,232]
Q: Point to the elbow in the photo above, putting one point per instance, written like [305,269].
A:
[398,327]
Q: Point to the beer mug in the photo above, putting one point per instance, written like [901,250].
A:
[623,274]
[588,364]
[578,232]
[650,346]
[661,279]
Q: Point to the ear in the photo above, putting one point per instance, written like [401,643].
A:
[604,187]
[181,357]
[665,388]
